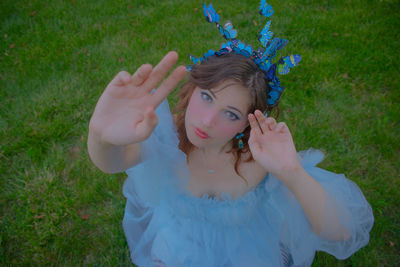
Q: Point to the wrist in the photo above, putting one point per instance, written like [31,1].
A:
[95,138]
[290,173]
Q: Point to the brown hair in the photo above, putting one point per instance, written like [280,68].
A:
[211,73]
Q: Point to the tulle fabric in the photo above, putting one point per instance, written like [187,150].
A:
[167,226]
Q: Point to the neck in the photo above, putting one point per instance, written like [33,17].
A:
[215,151]
[214,158]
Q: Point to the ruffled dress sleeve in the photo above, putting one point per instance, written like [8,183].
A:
[163,165]
[162,173]
[347,221]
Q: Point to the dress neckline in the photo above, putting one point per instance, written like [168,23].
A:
[227,197]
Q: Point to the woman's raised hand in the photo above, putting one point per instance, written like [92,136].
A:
[124,113]
[271,144]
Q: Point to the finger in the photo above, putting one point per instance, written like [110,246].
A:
[141,74]
[271,123]
[168,85]
[261,120]
[122,78]
[280,127]
[254,124]
[146,126]
[253,144]
[161,70]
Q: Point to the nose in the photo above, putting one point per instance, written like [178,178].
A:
[209,117]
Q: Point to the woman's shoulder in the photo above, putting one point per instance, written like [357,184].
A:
[250,174]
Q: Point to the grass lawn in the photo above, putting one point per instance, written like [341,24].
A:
[56,57]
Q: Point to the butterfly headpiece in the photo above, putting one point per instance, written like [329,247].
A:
[262,56]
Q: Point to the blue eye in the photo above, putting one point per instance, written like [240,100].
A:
[206,97]
[232,116]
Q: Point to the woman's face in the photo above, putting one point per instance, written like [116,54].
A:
[213,117]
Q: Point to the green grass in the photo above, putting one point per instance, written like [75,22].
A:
[58,209]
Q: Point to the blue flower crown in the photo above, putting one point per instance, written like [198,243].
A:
[262,56]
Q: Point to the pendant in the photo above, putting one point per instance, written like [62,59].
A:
[210,171]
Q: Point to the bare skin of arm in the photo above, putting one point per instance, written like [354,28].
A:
[272,146]
[124,115]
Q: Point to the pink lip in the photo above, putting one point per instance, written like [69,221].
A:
[200,133]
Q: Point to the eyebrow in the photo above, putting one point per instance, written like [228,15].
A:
[211,92]
[219,89]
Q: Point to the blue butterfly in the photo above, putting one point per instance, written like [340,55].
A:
[273,46]
[257,54]
[223,51]
[265,66]
[271,76]
[209,54]
[232,43]
[227,31]
[271,73]
[243,49]
[226,46]
[265,34]
[288,62]
[196,60]
[209,12]
[266,9]
[274,94]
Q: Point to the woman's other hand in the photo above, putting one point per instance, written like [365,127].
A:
[271,145]
[125,113]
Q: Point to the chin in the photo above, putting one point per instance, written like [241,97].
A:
[193,139]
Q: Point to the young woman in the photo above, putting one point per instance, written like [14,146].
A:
[219,184]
